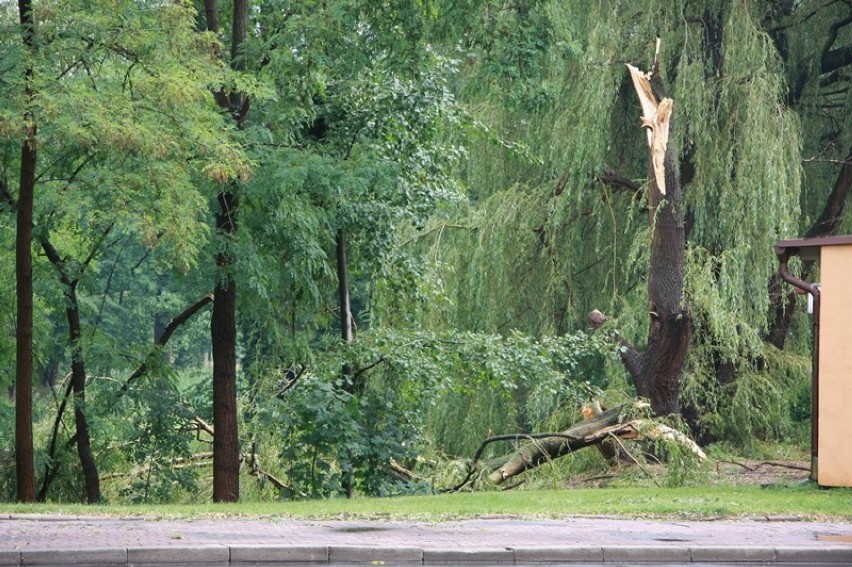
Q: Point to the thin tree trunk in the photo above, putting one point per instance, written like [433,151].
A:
[78,381]
[346,337]
[78,367]
[346,325]
[24,462]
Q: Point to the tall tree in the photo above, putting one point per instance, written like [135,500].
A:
[24,277]
[127,128]
[223,324]
[561,214]
[815,40]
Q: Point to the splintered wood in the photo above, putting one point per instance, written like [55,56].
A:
[656,118]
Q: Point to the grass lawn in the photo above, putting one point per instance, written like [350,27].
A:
[802,501]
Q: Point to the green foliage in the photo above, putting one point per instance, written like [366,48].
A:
[152,440]
[770,403]
[468,149]
[488,382]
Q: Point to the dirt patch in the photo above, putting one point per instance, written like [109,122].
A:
[762,472]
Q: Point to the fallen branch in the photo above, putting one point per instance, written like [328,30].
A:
[616,424]
[766,463]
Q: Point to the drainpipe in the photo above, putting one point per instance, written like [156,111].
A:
[783,270]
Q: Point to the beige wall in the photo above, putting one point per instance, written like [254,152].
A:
[835,367]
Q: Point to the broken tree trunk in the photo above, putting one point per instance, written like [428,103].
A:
[623,422]
[657,372]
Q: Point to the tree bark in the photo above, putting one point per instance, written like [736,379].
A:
[660,368]
[346,336]
[78,369]
[223,328]
[615,422]
[24,460]
[78,380]
[223,333]
[346,325]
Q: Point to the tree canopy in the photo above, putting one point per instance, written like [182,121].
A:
[451,187]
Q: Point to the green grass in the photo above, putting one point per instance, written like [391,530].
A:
[805,501]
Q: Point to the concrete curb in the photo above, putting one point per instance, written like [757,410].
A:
[330,555]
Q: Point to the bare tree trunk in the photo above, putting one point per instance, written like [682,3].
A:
[660,368]
[346,325]
[24,461]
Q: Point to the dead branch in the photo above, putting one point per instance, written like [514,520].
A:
[766,463]
[616,424]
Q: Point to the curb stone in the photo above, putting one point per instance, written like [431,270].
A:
[186,554]
[573,554]
[375,555]
[656,554]
[278,554]
[732,553]
[471,555]
[73,556]
[833,554]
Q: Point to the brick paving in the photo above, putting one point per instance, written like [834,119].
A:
[60,540]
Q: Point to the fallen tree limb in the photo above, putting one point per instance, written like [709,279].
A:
[623,422]
[583,434]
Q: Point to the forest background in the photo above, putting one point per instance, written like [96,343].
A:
[327,248]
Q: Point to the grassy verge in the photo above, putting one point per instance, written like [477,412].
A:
[806,502]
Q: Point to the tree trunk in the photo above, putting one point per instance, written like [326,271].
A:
[346,336]
[346,325]
[24,328]
[24,461]
[223,328]
[660,368]
[78,380]
[223,333]
[615,422]
[583,434]
[78,370]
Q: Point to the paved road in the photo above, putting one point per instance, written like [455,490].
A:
[64,540]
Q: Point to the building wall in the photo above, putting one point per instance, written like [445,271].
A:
[835,367]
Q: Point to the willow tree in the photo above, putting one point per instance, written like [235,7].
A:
[561,204]
[815,40]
